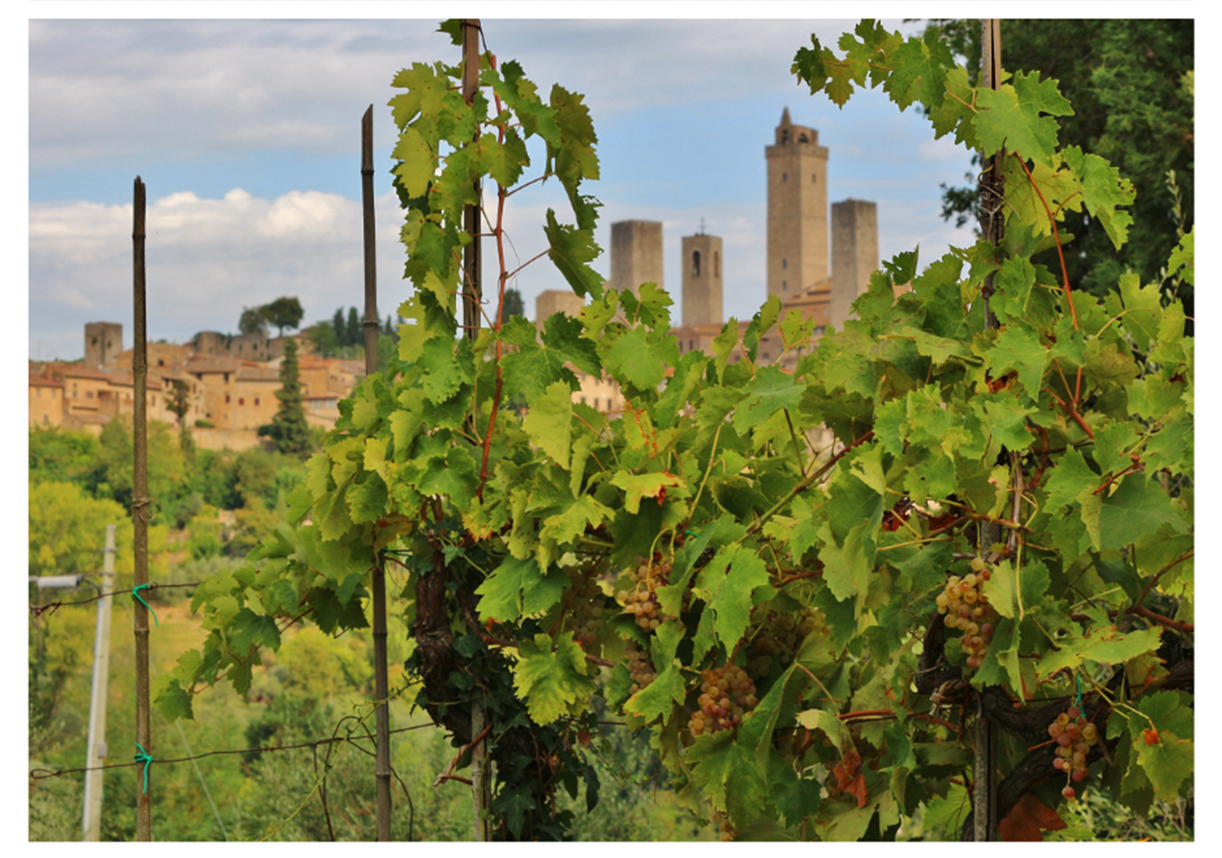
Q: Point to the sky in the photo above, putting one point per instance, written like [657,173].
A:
[246,135]
[245,131]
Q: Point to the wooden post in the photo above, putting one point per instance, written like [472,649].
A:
[480,780]
[381,681]
[992,228]
[140,516]
[472,291]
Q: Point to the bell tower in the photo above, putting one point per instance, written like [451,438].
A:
[797,211]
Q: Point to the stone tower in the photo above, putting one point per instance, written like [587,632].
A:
[553,301]
[636,254]
[702,283]
[103,342]
[797,210]
[854,254]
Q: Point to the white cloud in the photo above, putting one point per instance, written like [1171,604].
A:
[206,260]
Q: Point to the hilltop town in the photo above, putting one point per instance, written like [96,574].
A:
[231,383]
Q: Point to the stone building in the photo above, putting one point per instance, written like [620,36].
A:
[103,342]
[636,254]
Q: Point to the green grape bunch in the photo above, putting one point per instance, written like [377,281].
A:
[966,608]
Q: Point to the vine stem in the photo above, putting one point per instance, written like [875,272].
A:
[1056,236]
[1177,561]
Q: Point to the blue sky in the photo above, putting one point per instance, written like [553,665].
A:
[246,134]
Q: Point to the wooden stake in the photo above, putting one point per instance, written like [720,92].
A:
[381,682]
[992,228]
[140,515]
[472,290]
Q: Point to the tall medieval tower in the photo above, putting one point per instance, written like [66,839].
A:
[636,254]
[797,210]
[854,254]
[702,283]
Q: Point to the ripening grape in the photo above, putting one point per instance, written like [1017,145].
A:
[726,694]
[776,636]
[585,615]
[966,609]
[1068,792]
[639,598]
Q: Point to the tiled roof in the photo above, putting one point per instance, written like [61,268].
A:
[44,381]
[209,365]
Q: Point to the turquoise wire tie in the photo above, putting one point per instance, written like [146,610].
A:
[136,595]
[1078,700]
[146,758]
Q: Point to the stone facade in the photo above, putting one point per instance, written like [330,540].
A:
[854,254]
[554,301]
[103,342]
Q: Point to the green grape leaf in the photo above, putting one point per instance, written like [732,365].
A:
[639,486]
[1018,348]
[549,422]
[553,680]
[830,724]
[640,359]
[248,629]
[1167,763]
[659,698]
[1181,260]
[1011,116]
[418,162]
[1103,189]
[726,585]
[919,71]
[570,250]
[171,699]
[1135,510]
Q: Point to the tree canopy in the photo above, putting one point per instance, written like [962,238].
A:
[1130,84]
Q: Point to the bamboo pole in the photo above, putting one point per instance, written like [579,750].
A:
[992,228]
[472,291]
[381,681]
[140,515]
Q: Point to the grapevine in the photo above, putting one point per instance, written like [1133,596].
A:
[778,615]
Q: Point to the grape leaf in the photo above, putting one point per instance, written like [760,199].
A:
[549,422]
[1011,116]
[549,679]
[726,584]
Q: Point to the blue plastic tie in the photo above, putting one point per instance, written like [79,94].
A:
[1078,700]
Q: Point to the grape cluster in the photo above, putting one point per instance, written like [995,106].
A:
[585,615]
[642,600]
[776,635]
[1075,736]
[640,668]
[726,694]
[967,609]
[726,832]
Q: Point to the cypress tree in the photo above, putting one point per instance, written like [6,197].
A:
[288,429]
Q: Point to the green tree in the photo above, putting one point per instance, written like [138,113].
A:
[253,320]
[283,313]
[61,455]
[289,430]
[1129,81]
[324,339]
[340,327]
[513,306]
[68,531]
[178,401]
[356,332]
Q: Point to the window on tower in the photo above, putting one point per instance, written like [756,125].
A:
[814,178]
[784,263]
[784,176]
[784,286]
[696,263]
